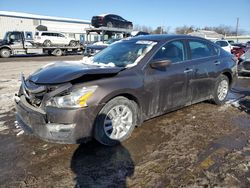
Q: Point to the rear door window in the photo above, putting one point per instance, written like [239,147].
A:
[201,49]
[173,51]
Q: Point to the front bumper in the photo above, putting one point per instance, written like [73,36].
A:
[55,124]
[244,67]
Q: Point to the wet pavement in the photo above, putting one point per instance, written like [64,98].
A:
[202,145]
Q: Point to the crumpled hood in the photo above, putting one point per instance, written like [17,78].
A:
[61,72]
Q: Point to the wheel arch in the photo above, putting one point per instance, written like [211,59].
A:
[129,96]
[229,76]
[6,47]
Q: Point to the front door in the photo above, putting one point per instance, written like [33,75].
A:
[168,88]
[16,40]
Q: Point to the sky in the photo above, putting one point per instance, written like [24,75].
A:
[198,13]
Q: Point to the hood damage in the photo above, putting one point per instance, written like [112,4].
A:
[62,72]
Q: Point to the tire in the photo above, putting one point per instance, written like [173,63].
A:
[130,26]
[47,43]
[72,43]
[221,90]
[5,53]
[57,52]
[116,121]
[109,24]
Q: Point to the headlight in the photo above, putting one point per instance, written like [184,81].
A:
[75,99]
[243,56]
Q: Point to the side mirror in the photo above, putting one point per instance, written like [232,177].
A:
[160,64]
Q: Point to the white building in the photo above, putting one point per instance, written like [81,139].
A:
[15,21]
[240,39]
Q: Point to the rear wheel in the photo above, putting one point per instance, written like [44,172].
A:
[221,90]
[5,53]
[47,43]
[109,24]
[57,52]
[116,121]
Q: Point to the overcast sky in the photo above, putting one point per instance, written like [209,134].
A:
[172,13]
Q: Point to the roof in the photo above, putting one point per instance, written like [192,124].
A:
[41,17]
[163,37]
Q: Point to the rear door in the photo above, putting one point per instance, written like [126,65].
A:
[168,88]
[205,60]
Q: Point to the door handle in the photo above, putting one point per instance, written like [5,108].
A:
[188,70]
[217,62]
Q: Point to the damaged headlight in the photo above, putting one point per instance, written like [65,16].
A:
[75,99]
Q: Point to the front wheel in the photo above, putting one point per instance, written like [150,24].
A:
[221,90]
[72,43]
[47,43]
[5,53]
[116,121]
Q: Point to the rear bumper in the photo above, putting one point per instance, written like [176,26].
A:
[55,124]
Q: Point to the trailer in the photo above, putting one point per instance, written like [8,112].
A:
[113,34]
[109,31]
[15,43]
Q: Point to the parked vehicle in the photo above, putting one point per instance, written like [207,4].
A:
[15,43]
[244,63]
[92,49]
[230,42]
[129,82]
[47,38]
[224,44]
[111,20]
[138,33]
[237,51]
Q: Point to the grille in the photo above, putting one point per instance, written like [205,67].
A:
[33,93]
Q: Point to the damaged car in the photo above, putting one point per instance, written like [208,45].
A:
[107,95]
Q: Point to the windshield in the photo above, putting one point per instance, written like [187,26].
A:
[6,36]
[122,54]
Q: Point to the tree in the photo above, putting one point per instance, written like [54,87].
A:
[184,29]
[161,30]
[223,29]
[143,28]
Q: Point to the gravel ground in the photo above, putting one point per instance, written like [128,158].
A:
[203,145]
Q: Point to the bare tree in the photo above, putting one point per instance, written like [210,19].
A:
[224,30]
[143,28]
[184,29]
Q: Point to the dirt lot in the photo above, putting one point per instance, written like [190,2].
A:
[199,146]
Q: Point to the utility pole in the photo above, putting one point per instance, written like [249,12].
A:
[237,28]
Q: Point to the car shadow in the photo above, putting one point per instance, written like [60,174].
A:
[96,165]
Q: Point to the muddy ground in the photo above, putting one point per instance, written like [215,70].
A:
[203,145]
